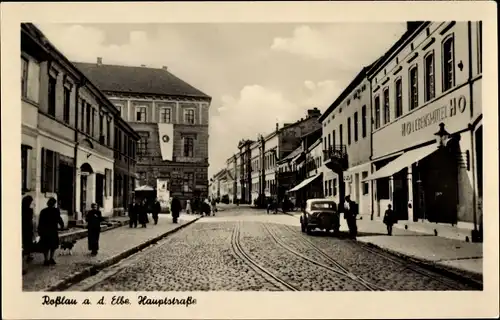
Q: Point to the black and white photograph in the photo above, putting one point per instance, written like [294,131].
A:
[281,156]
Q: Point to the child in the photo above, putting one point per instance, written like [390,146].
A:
[389,219]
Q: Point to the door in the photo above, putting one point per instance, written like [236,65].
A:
[83,194]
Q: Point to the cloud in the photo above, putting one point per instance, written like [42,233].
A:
[346,44]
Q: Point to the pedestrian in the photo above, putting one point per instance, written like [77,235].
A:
[143,213]
[205,208]
[389,219]
[155,210]
[50,219]
[175,209]
[188,207]
[93,219]
[27,227]
[214,207]
[350,212]
[133,213]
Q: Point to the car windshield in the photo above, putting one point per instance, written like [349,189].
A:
[323,205]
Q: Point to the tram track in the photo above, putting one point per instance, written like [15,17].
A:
[389,257]
[264,272]
[338,268]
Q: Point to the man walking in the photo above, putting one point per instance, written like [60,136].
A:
[132,214]
[175,209]
[94,219]
[155,210]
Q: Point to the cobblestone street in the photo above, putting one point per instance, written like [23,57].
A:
[246,249]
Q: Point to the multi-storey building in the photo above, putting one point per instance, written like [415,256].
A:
[67,131]
[427,133]
[347,143]
[172,118]
[245,176]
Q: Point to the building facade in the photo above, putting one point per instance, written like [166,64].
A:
[426,97]
[346,132]
[245,176]
[67,135]
[150,99]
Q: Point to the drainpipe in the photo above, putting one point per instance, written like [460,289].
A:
[471,129]
[75,151]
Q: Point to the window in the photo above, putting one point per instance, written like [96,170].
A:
[330,190]
[349,131]
[333,138]
[189,116]
[429,77]
[89,119]
[387,114]
[50,170]
[329,141]
[120,109]
[67,101]
[92,133]
[377,112]
[52,96]
[165,115]
[25,152]
[363,121]
[101,128]
[413,87]
[334,187]
[82,115]
[355,126]
[24,77]
[188,146]
[108,132]
[326,187]
[398,84]
[341,135]
[140,114]
[448,64]
[480,47]
[142,144]
[365,184]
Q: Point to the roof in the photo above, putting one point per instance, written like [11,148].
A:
[314,145]
[347,91]
[292,154]
[128,79]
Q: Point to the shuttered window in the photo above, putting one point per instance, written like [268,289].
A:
[50,171]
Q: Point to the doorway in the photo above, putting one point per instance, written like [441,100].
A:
[400,194]
[99,190]
[83,192]
[65,183]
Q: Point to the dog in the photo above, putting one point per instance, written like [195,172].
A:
[67,247]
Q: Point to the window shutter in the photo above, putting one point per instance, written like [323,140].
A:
[56,172]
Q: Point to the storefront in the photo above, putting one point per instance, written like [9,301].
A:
[425,171]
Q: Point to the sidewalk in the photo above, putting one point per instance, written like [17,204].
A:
[114,245]
[458,256]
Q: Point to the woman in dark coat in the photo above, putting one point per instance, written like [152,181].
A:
[143,214]
[94,219]
[155,210]
[50,219]
[175,208]
[27,227]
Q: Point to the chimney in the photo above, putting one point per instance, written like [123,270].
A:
[165,68]
[99,60]
[277,127]
[313,113]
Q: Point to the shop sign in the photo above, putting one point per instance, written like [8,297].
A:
[456,105]
[347,178]
[419,126]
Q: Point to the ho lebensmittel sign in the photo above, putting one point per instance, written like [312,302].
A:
[419,126]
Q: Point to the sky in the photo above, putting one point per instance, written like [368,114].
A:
[257,74]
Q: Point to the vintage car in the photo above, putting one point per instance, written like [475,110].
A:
[320,214]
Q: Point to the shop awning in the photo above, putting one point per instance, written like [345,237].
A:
[402,161]
[305,183]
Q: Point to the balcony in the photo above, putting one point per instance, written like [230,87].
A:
[335,158]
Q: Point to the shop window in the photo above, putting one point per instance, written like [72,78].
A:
[387,114]
[50,170]
[398,86]
[24,77]
[52,96]
[413,87]
[364,175]
[429,76]
[448,63]
[377,112]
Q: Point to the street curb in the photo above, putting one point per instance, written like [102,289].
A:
[473,279]
[80,234]
[93,270]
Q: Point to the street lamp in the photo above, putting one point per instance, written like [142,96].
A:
[441,136]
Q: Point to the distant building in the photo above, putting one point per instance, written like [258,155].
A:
[172,118]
